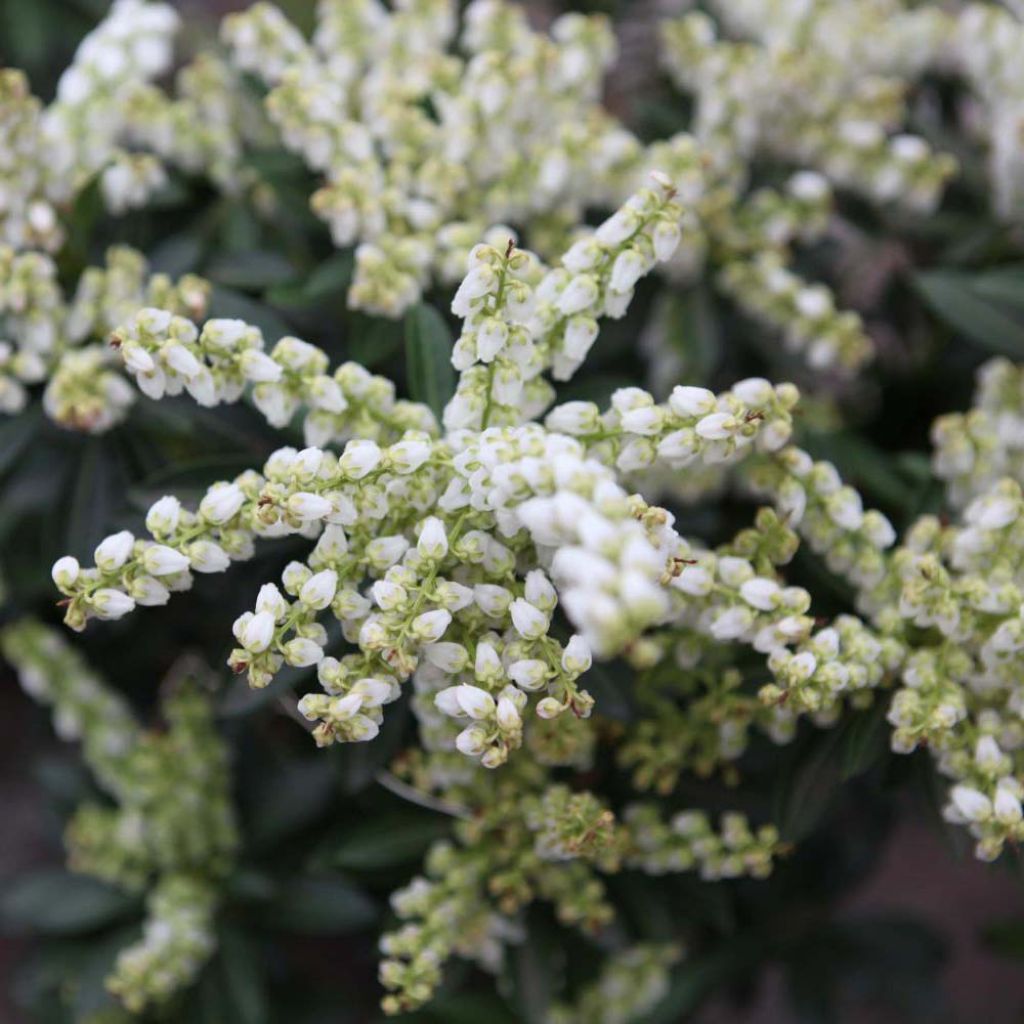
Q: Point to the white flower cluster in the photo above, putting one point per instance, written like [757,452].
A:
[807,87]
[689,842]
[177,940]
[974,450]
[109,123]
[745,239]
[631,984]
[172,831]
[694,426]
[828,514]
[987,48]
[84,708]
[520,320]
[404,121]
[168,354]
[47,336]
[805,314]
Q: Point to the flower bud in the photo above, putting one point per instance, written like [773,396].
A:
[160,560]
[113,552]
[111,604]
[433,541]
[318,591]
[221,503]
[430,626]
[530,622]
[256,634]
[65,571]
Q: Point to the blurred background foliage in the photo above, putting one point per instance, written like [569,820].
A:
[325,839]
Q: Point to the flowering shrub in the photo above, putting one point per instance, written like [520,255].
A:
[604,599]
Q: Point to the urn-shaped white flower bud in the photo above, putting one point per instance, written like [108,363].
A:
[579,294]
[373,691]
[179,359]
[271,600]
[695,580]
[987,754]
[491,599]
[549,707]
[472,741]
[760,592]
[318,591]
[487,665]
[689,401]
[628,268]
[205,556]
[407,456]
[530,623]
[160,560]
[136,358]
[149,592]
[433,540]
[754,391]
[360,458]
[256,634]
[475,702]
[307,463]
[388,595]
[576,658]
[65,571]
[113,552]
[580,334]
[718,426]
[448,657]
[507,715]
[539,590]
[970,803]
[259,367]
[221,503]
[430,626]
[447,702]
[302,652]
[333,543]
[1007,805]
[163,515]
[574,418]
[528,673]
[665,239]
[477,283]
[383,552]
[491,336]
[308,506]
[111,604]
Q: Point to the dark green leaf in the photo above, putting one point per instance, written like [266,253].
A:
[320,906]
[252,270]
[291,797]
[373,340]
[1004,284]
[16,434]
[952,296]
[865,740]
[332,277]
[177,255]
[1006,937]
[97,488]
[57,902]
[384,842]
[691,324]
[243,977]
[428,352]
[806,787]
